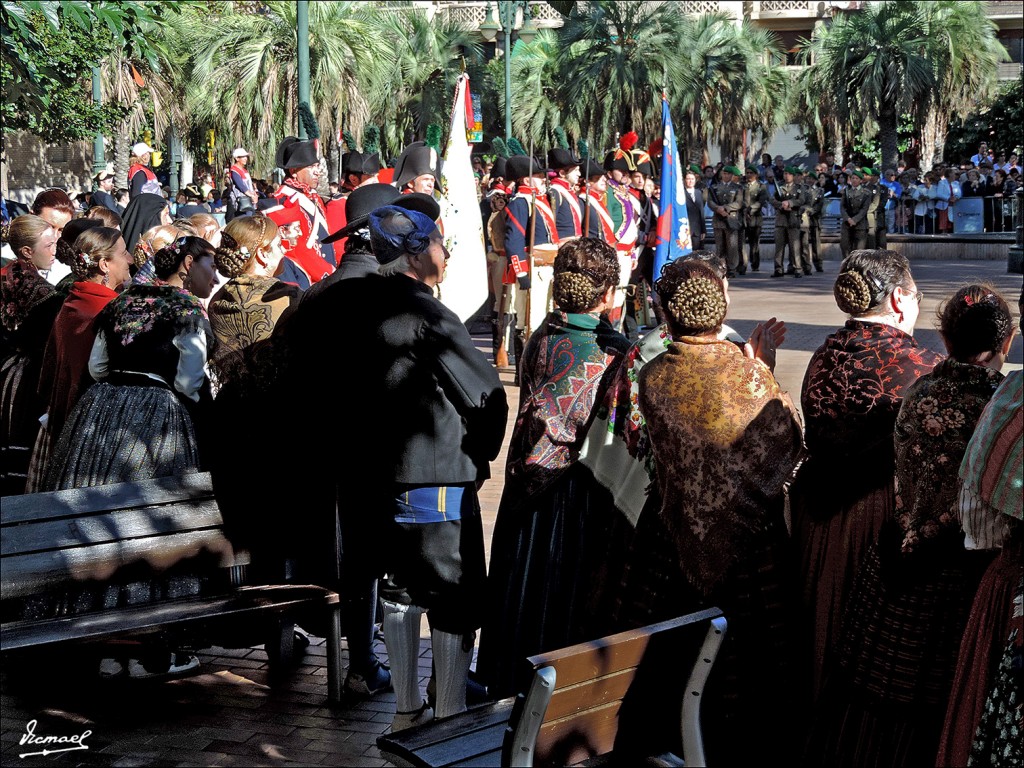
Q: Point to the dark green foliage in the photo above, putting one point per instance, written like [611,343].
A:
[434,136]
[999,126]
[371,139]
[514,147]
[500,148]
[309,121]
[561,140]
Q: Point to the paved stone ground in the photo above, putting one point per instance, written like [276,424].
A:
[227,714]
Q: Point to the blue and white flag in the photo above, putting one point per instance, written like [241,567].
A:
[673,235]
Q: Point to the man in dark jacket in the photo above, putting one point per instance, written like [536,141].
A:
[421,413]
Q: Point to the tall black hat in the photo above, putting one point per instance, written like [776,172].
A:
[292,153]
[372,196]
[559,158]
[417,159]
[519,167]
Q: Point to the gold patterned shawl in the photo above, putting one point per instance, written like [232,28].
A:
[725,440]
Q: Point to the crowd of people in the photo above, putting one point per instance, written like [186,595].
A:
[874,619]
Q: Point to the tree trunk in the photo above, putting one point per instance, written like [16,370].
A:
[122,156]
[888,138]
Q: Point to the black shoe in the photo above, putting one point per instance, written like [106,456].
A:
[818,268]
[755,269]
[730,275]
[741,272]
[791,271]
[777,274]
[798,274]
[807,272]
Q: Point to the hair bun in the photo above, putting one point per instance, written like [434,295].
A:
[698,304]
[853,293]
[574,292]
[230,257]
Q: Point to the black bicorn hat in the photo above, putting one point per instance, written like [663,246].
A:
[365,199]
[293,153]
[519,167]
[559,158]
[590,169]
[500,168]
[417,159]
[619,160]
[366,163]
[642,162]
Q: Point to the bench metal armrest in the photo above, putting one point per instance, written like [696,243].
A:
[521,738]
[693,740]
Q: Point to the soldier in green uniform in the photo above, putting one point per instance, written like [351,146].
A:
[855,203]
[788,203]
[725,199]
[755,195]
[880,197]
[810,225]
[875,189]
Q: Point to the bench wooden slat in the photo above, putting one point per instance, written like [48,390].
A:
[588,695]
[108,527]
[24,575]
[485,760]
[471,745]
[102,498]
[408,744]
[155,617]
[580,736]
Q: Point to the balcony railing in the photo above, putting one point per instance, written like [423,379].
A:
[1010,70]
[782,9]
[1002,8]
[473,13]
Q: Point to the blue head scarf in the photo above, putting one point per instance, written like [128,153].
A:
[388,246]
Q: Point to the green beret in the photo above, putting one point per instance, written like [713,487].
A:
[868,171]
[695,168]
[733,170]
[792,169]
[859,174]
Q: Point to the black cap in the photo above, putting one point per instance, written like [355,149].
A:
[559,158]
[292,153]
[365,199]
[519,167]
[366,163]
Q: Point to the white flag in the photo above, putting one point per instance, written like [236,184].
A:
[464,290]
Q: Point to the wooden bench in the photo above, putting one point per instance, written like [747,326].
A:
[593,700]
[69,546]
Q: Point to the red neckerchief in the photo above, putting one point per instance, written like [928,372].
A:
[562,188]
[136,167]
[308,191]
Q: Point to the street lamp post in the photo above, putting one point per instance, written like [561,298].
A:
[99,162]
[508,10]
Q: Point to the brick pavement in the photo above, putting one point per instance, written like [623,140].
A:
[227,714]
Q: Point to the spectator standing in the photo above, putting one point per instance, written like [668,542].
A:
[141,178]
[893,194]
[242,192]
[984,155]
[103,193]
[947,192]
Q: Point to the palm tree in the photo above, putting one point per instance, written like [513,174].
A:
[538,105]
[877,62]
[965,55]
[413,85]
[615,60]
[729,84]
[244,80]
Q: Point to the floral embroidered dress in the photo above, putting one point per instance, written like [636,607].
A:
[149,358]
[844,491]
[725,440]
[549,532]
[901,634]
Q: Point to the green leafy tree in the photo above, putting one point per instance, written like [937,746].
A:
[999,125]
[244,73]
[615,59]
[413,85]
[876,61]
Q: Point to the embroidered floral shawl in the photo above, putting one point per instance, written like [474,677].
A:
[934,425]
[725,439]
[143,308]
[853,389]
[21,289]
[563,369]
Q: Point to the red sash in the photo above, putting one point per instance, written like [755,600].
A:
[596,202]
[243,173]
[562,188]
[543,209]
